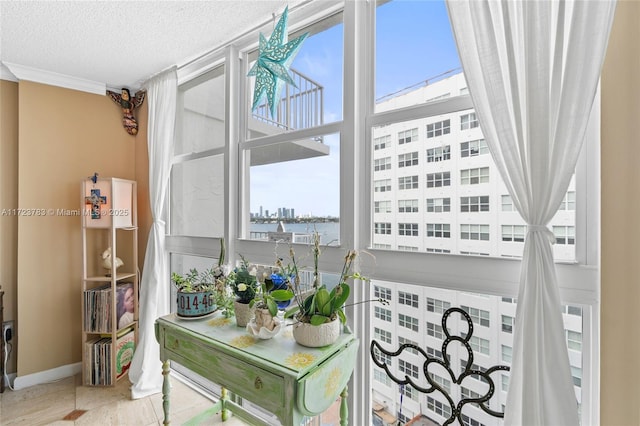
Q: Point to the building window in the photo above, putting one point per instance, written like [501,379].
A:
[437,306]
[438,230]
[505,382]
[438,128]
[382,142]
[382,228]
[434,353]
[576,374]
[408,159]
[382,164]
[408,368]
[382,335]
[507,324]
[383,185]
[407,136]
[381,376]
[574,310]
[410,299]
[478,316]
[441,409]
[474,366]
[444,383]
[403,341]
[468,121]
[437,180]
[437,250]
[568,202]
[382,293]
[565,235]
[574,340]
[438,205]
[507,353]
[407,248]
[468,421]
[480,345]
[408,182]
[513,233]
[408,229]
[382,246]
[474,176]
[473,148]
[382,206]
[408,322]
[383,314]
[440,153]
[435,330]
[474,204]
[407,206]
[382,357]
[507,204]
[409,391]
[474,232]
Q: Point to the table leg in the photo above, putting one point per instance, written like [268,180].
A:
[166,388]
[344,407]
[224,413]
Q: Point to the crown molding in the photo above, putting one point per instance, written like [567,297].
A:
[54,79]
[5,74]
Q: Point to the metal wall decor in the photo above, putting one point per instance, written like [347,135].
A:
[456,409]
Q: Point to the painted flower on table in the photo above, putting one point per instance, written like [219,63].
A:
[300,360]
[244,341]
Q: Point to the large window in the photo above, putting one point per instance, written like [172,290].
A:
[237,174]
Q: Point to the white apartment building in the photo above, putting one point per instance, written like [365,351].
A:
[437,189]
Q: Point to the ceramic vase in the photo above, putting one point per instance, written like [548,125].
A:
[243,313]
[315,336]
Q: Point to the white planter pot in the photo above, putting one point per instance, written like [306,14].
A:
[315,336]
[243,313]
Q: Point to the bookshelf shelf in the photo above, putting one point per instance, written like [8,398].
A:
[109,301]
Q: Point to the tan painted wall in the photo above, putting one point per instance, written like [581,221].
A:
[620,283]
[9,201]
[64,136]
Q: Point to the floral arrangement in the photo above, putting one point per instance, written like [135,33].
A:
[243,281]
[212,279]
[319,305]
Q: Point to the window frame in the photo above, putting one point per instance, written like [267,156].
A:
[578,281]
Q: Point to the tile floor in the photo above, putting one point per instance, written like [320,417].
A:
[67,402]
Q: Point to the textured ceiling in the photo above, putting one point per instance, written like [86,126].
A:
[122,43]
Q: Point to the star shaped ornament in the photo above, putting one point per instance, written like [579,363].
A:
[271,69]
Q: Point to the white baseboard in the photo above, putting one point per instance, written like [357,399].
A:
[47,376]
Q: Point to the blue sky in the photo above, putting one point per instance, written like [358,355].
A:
[413,43]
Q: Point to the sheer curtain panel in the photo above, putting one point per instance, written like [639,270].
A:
[146,369]
[532,68]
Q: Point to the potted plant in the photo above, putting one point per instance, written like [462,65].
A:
[266,323]
[319,313]
[200,292]
[244,284]
[196,293]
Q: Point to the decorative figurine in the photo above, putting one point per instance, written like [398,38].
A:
[106,261]
[128,104]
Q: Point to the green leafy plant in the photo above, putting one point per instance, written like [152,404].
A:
[267,298]
[321,305]
[243,281]
[213,279]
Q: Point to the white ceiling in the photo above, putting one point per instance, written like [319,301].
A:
[121,43]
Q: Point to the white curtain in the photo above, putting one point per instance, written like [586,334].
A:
[146,368]
[532,68]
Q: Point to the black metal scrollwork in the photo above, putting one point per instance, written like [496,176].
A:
[456,409]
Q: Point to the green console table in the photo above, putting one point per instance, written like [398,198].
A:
[289,380]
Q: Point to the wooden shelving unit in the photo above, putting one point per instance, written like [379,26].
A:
[109,301]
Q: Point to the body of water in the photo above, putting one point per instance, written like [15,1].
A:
[329,231]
